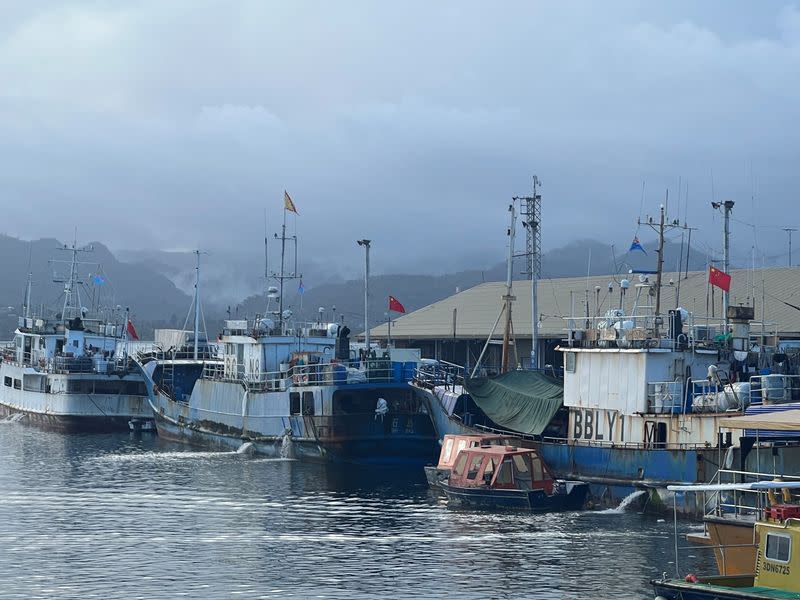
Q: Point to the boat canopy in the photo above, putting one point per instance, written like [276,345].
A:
[524,401]
[785,420]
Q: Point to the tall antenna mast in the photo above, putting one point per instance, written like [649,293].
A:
[72,296]
[196,303]
[660,227]
[282,275]
[726,207]
[532,219]
[508,298]
[27,310]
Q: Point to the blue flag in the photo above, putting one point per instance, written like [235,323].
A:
[301,289]
[635,245]
[99,279]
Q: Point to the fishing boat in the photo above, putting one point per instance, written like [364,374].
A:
[643,390]
[291,388]
[452,445]
[775,566]
[729,523]
[69,371]
[507,477]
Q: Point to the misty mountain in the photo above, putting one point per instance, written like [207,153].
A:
[227,276]
[156,285]
[152,297]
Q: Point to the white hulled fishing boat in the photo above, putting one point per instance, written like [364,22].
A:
[69,371]
[289,388]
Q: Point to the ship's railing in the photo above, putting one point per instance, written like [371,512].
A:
[774,389]
[707,396]
[64,365]
[665,397]
[330,373]
[439,373]
[745,502]
[639,331]
[628,445]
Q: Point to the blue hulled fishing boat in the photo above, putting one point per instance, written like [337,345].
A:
[289,388]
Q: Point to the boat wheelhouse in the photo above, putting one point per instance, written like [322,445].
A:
[452,445]
[507,477]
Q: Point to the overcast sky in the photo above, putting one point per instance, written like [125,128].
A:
[174,124]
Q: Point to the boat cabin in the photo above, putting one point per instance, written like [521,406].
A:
[501,467]
[453,444]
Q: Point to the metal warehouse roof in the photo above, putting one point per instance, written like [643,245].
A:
[478,307]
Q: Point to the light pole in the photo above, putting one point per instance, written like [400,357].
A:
[366,244]
[789,230]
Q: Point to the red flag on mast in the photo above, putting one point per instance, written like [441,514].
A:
[719,279]
[132,331]
[394,304]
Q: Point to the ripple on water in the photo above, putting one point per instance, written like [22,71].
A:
[116,516]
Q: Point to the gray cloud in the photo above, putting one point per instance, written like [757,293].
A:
[173,125]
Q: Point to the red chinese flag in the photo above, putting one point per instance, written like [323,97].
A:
[720,279]
[132,331]
[394,304]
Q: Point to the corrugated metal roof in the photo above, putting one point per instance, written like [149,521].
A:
[479,307]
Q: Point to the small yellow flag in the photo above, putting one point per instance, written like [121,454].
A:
[287,203]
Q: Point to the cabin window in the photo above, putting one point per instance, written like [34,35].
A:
[538,472]
[504,473]
[75,343]
[488,470]
[778,547]
[308,403]
[294,403]
[18,384]
[7,381]
[520,463]
[461,462]
[448,448]
[461,445]
[569,362]
[474,466]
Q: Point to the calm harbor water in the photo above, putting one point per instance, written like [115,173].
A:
[107,516]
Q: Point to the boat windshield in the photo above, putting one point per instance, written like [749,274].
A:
[504,473]
[521,472]
[461,462]
[488,471]
[475,466]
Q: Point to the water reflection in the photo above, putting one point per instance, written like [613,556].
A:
[120,516]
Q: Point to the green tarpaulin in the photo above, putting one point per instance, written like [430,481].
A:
[523,401]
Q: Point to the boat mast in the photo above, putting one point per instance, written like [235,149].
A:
[728,206]
[27,312]
[508,298]
[71,283]
[532,212]
[366,243]
[282,276]
[659,269]
[196,303]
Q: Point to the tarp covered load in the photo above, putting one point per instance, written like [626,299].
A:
[523,401]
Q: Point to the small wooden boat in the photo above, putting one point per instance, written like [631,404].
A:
[508,477]
[775,571]
[453,444]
